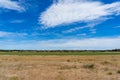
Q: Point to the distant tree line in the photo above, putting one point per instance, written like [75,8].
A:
[113,50]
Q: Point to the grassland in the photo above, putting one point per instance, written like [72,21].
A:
[59,65]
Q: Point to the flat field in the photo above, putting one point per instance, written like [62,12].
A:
[58,53]
[60,67]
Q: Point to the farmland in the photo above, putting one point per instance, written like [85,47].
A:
[59,65]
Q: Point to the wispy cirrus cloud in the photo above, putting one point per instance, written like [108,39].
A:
[80,27]
[17,21]
[70,11]
[117,27]
[4,34]
[12,5]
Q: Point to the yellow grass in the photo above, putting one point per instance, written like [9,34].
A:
[60,67]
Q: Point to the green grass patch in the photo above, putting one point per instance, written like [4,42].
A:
[59,53]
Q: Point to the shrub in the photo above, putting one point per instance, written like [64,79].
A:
[68,60]
[89,66]
[109,73]
[14,78]
[105,62]
[118,71]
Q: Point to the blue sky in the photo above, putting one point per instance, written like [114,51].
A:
[59,24]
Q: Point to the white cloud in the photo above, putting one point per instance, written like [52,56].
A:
[4,34]
[17,21]
[117,27]
[91,25]
[69,11]
[12,5]
[59,44]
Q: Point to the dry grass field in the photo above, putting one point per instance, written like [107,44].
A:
[99,67]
